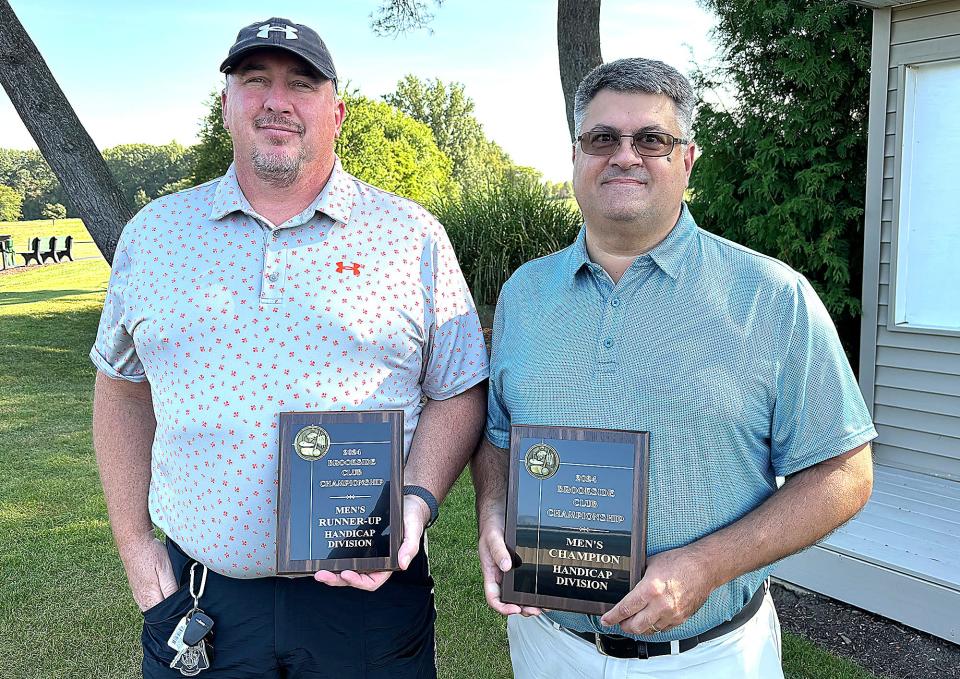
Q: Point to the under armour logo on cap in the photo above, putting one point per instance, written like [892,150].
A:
[290,33]
[280,33]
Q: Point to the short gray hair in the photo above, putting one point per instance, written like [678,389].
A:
[638,75]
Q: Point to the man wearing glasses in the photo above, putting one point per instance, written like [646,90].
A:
[729,359]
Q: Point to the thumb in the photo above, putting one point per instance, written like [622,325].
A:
[499,553]
[412,532]
[166,578]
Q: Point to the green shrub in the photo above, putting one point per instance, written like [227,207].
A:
[783,169]
[496,229]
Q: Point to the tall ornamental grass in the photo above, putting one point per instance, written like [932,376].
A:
[496,229]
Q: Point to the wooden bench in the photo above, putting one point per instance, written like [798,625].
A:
[67,250]
[33,253]
[50,252]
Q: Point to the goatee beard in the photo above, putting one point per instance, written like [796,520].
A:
[277,169]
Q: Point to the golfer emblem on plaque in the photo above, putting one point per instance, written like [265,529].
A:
[542,461]
[312,443]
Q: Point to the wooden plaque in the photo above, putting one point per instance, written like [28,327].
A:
[341,483]
[576,516]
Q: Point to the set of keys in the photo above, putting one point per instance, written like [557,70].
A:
[189,637]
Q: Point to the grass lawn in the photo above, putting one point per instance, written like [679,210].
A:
[24,232]
[64,606]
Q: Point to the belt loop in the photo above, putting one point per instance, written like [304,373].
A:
[675,647]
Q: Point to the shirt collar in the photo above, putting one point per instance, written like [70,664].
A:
[669,255]
[577,257]
[335,199]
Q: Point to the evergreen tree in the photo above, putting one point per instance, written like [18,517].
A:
[783,170]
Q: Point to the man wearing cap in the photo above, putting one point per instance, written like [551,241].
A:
[285,285]
[727,357]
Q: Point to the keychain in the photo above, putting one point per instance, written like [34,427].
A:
[188,638]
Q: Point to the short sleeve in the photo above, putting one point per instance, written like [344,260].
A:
[498,418]
[456,354]
[819,411]
[113,352]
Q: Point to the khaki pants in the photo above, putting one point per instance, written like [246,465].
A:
[540,650]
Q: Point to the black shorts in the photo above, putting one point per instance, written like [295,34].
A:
[297,627]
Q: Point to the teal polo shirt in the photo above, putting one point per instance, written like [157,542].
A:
[726,356]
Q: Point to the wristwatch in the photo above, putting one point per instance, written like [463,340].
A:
[427,497]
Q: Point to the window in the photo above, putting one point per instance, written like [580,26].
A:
[928,235]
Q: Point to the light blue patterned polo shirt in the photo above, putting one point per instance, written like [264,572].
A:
[356,303]
[726,356]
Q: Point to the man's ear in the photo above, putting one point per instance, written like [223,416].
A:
[223,108]
[689,158]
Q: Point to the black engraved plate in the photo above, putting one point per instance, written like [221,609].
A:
[576,516]
[340,491]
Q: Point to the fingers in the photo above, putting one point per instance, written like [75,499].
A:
[494,562]
[673,588]
[640,625]
[366,581]
[165,577]
[491,592]
[147,598]
[642,612]
[150,574]
[410,545]
[413,527]
[627,607]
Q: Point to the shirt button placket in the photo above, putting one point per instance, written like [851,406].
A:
[607,362]
[272,251]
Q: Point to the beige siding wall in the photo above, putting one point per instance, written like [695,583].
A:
[912,378]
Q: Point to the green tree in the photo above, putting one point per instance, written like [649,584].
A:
[28,173]
[378,144]
[11,204]
[783,170]
[559,190]
[213,154]
[53,211]
[391,150]
[449,114]
[142,170]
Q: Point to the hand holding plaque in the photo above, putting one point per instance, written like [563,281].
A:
[340,484]
[576,516]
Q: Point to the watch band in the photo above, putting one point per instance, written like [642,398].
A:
[427,497]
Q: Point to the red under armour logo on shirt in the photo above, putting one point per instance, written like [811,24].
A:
[355,268]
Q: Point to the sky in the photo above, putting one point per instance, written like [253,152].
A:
[143,72]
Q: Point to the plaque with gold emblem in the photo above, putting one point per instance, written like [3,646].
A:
[341,480]
[576,516]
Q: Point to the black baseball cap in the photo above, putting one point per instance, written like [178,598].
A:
[279,33]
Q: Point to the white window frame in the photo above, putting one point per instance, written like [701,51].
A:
[898,316]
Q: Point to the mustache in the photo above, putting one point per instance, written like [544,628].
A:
[614,173]
[279,121]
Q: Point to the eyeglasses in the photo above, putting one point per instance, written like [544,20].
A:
[650,144]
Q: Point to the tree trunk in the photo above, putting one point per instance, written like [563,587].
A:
[62,140]
[578,44]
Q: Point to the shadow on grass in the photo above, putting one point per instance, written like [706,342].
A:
[28,297]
